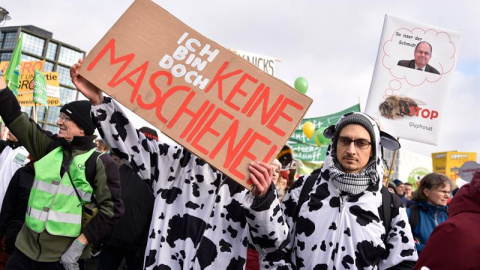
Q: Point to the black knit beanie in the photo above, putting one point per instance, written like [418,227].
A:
[79,112]
[358,119]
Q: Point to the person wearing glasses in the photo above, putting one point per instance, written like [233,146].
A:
[430,207]
[68,175]
[455,244]
[422,54]
[201,219]
[339,225]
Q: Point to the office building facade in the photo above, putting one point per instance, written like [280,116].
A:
[38,44]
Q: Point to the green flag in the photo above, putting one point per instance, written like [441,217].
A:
[40,89]
[12,76]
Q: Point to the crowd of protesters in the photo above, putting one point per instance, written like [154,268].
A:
[130,201]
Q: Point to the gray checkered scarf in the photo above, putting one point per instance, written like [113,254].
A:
[353,183]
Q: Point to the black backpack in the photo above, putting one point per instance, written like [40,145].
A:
[390,203]
[413,216]
[91,168]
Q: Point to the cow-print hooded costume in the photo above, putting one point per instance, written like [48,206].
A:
[344,232]
[201,220]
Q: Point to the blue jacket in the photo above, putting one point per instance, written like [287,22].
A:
[429,216]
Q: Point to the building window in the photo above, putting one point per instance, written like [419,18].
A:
[30,58]
[40,113]
[53,113]
[67,95]
[5,56]
[52,50]
[48,66]
[27,110]
[33,45]
[64,74]
[9,40]
[68,56]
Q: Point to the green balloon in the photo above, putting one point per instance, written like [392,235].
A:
[319,138]
[301,84]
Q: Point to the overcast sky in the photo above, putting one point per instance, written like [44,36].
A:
[333,44]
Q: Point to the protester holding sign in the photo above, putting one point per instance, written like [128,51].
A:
[201,219]
[339,219]
[68,175]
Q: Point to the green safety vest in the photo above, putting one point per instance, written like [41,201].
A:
[53,204]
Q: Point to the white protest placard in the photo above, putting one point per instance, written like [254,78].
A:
[409,86]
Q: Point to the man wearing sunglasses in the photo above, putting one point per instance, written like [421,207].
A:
[338,224]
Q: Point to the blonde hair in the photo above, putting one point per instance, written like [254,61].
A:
[277,163]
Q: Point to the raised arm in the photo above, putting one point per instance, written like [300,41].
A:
[268,229]
[148,158]
[281,255]
[90,91]
[31,136]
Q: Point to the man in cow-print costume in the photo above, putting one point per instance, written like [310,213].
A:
[201,219]
[339,226]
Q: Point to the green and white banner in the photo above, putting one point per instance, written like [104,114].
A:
[40,89]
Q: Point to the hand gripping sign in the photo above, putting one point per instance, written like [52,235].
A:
[198,93]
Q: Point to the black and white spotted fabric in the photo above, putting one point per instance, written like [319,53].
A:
[200,221]
[340,232]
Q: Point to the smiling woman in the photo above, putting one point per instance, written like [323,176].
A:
[430,207]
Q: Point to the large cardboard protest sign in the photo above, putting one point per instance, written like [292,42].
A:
[407,102]
[198,93]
